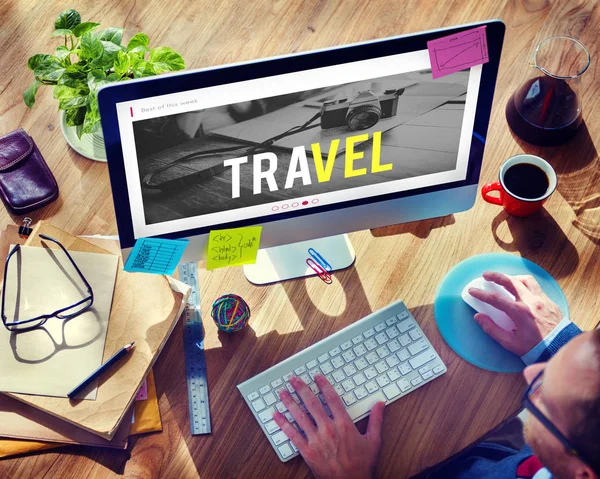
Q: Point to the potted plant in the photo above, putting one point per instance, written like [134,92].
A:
[85,60]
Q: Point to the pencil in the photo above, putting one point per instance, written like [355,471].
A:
[118,355]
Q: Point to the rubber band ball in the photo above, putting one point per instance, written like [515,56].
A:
[230,313]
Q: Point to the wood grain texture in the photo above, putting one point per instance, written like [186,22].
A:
[405,261]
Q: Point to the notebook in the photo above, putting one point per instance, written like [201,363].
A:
[145,309]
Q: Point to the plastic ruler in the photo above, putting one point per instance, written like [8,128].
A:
[195,363]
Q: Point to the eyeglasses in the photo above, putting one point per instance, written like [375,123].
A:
[67,312]
[533,409]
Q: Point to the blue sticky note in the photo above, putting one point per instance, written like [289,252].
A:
[155,255]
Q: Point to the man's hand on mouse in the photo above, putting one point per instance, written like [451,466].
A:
[332,447]
[533,313]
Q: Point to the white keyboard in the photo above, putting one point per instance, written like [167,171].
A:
[380,357]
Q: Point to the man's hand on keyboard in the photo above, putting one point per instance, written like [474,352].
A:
[331,446]
[534,314]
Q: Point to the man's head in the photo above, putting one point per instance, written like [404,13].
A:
[569,396]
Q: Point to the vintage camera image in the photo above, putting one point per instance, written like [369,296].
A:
[404,125]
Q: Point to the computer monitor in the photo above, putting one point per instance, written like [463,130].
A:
[310,146]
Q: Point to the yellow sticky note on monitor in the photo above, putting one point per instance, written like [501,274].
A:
[233,247]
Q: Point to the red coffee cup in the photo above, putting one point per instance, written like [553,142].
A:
[526,182]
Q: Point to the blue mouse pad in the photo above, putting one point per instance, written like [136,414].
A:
[455,320]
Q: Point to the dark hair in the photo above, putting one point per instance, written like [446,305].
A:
[585,432]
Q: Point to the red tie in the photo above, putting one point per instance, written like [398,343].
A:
[529,467]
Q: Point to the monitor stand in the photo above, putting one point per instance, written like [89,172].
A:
[289,261]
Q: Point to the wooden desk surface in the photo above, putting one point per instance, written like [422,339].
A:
[406,261]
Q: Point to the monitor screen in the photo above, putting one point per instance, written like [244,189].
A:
[296,141]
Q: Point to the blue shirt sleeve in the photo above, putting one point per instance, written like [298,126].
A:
[547,347]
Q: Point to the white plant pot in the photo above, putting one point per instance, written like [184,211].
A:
[89,145]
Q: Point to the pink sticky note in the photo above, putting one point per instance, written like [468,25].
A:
[142,394]
[457,52]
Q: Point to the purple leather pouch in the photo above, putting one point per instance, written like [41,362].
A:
[26,182]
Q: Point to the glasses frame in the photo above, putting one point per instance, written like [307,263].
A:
[56,314]
[548,424]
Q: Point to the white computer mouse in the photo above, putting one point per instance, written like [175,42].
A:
[499,317]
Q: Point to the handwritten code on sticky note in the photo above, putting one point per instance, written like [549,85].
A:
[155,255]
[233,247]
[457,52]
[142,394]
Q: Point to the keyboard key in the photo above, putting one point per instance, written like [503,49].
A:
[300,370]
[361,364]
[270,399]
[392,360]
[372,358]
[370,372]
[322,358]
[253,396]
[404,339]
[371,387]
[403,355]
[368,333]
[279,438]
[330,379]
[359,379]
[391,391]
[278,382]
[277,391]
[265,389]
[393,374]
[380,327]
[361,407]
[357,339]
[403,384]
[258,405]
[427,375]
[402,315]
[338,376]
[405,369]
[311,365]
[272,427]
[426,368]
[349,399]
[339,389]
[394,345]
[381,367]
[286,377]
[281,407]
[286,451]
[306,378]
[361,393]
[347,345]
[416,334]
[382,381]
[383,352]
[348,385]
[392,333]
[290,388]
[289,417]
[416,381]
[360,350]
[381,338]
[350,370]
[417,347]
[393,320]
[370,344]
[314,388]
[267,415]
[313,372]
[422,358]
[438,369]
[337,362]
[326,367]
[405,325]
[335,351]
[349,356]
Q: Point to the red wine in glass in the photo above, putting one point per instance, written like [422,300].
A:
[544,111]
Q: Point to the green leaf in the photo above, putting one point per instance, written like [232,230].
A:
[62,52]
[75,116]
[67,19]
[49,70]
[91,123]
[61,32]
[141,68]
[113,77]
[74,77]
[84,28]
[64,92]
[91,48]
[109,56]
[139,39]
[165,59]
[139,51]
[29,94]
[75,102]
[111,34]
[122,63]
[36,59]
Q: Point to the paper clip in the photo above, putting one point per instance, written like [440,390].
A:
[25,230]
[319,259]
[317,268]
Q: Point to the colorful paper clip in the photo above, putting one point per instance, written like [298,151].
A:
[319,259]
[317,268]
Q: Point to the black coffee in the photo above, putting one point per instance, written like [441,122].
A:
[526,180]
